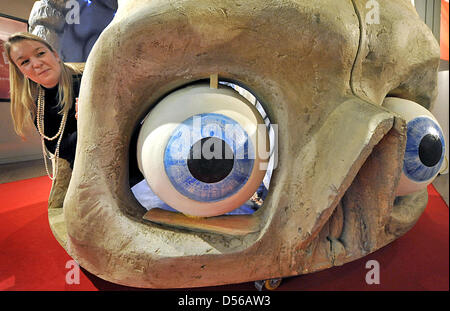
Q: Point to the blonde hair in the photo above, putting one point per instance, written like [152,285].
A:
[24,91]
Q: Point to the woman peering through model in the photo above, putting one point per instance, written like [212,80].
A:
[43,91]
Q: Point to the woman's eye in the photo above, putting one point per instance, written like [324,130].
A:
[41,53]
[24,62]
[425,145]
[203,151]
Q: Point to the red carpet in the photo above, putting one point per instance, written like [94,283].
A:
[31,258]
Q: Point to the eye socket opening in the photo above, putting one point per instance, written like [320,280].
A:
[160,212]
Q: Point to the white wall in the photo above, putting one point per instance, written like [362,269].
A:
[17,8]
[12,148]
[440,110]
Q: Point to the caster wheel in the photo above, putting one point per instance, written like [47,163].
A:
[270,284]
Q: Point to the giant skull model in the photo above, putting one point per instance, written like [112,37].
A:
[336,86]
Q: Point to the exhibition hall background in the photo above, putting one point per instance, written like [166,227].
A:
[13,149]
[429,236]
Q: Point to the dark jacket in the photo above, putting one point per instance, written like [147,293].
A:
[52,122]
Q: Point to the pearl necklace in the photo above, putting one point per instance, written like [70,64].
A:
[59,135]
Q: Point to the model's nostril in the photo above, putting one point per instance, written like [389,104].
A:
[210,160]
[430,150]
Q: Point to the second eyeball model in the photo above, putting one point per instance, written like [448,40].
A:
[202,150]
[425,145]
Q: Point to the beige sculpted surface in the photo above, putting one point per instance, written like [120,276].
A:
[322,74]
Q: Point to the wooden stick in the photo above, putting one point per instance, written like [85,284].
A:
[236,225]
[214,81]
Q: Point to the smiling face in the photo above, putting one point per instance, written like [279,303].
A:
[37,62]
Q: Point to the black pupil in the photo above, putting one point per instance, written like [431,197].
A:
[212,162]
[430,150]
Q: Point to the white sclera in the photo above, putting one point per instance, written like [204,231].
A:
[410,110]
[164,119]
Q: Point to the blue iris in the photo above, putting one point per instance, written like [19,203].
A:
[216,128]
[423,159]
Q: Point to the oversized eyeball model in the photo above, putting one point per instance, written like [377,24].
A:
[425,145]
[200,150]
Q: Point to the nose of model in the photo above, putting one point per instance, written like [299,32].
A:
[36,63]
